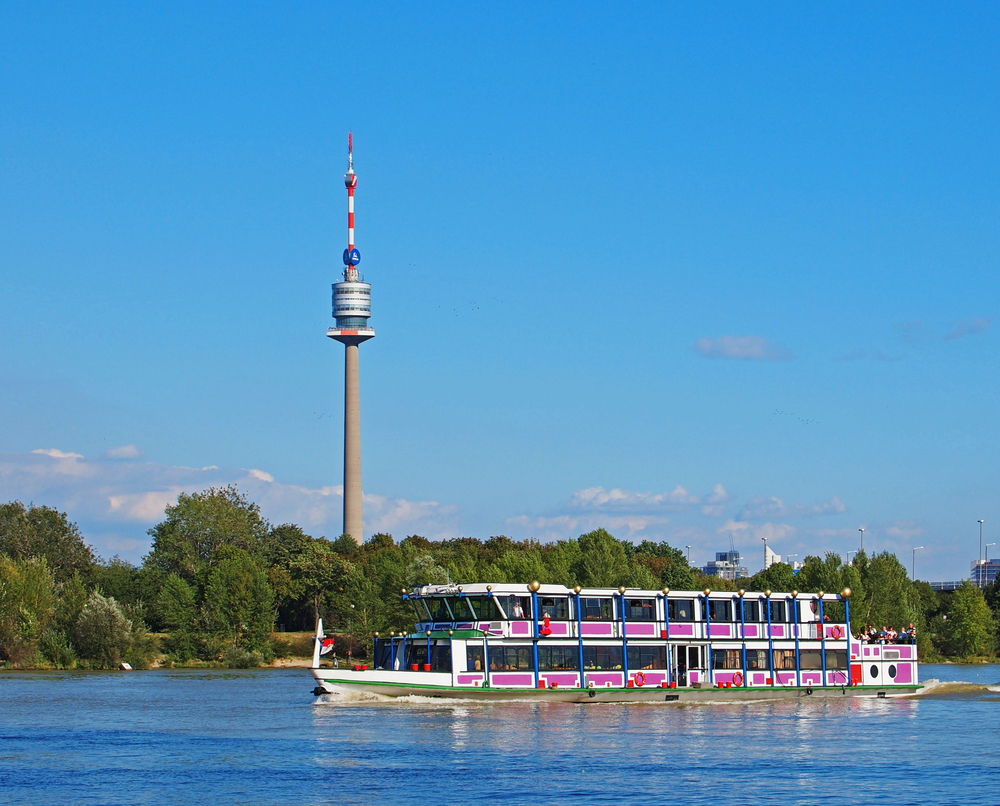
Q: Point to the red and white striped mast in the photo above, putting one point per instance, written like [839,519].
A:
[351,180]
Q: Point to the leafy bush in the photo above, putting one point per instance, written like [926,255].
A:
[236,658]
[56,648]
[102,633]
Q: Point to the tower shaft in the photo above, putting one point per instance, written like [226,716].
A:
[353,521]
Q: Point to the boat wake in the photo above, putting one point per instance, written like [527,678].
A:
[956,688]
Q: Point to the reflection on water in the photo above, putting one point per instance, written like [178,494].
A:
[258,737]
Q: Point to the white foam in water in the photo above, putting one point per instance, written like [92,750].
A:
[935,686]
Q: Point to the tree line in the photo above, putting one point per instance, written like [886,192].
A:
[221,585]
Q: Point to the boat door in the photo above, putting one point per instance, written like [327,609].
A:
[687,659]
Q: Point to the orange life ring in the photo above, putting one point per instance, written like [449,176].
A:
[640,679]
[837,632]
[738,679]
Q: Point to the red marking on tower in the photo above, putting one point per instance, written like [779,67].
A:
[351,182]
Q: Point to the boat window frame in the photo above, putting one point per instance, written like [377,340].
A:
[639,653]
[569,653]
[607,607]
[647,610]
[672,606]
[555,606]
[610,650]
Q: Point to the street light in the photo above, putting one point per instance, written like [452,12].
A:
[862,530]
[913,562]
[979,562]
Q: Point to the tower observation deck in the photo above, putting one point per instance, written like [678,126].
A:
[352,306]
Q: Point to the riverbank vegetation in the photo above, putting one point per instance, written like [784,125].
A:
[220,580]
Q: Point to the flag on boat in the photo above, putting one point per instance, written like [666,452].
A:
[325,645]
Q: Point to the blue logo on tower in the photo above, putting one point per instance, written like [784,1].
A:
[352,257]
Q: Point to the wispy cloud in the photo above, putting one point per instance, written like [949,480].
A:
[115,502]
[970,327]
[747,348]
[124,452]
[771,507]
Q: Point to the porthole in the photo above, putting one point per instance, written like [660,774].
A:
[874,670]
[892,672]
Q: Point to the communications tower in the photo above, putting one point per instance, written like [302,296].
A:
[352,305]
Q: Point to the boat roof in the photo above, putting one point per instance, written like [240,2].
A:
[514,589]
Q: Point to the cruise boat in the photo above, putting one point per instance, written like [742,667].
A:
[549,642]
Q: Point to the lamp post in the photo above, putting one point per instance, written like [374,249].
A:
[913,562]
[979,561]
[862,530]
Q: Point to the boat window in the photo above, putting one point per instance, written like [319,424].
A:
[516,607]
[510,658]
[602,657]
[555,607]
[836,659]
[416,655]
[779,613]
[721,609]
[486,608]
[439,610]
[420,608]
[460,607]
[727,659]
[810,659]
[757,659]
[558,658]
[784,659]
[640,610]
[592,609]
[680,609]
[751,610]
[474,657]
[647,657]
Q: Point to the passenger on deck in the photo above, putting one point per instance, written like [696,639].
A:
[518,612]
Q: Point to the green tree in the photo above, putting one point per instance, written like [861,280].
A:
[603,562]
[177,610]
[44,532]
[970,623]
[201,524]
[779,577]
[317,570]
[27,605]
[102,634]
[239,601]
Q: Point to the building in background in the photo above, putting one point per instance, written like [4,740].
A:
[984,572]
[726,565]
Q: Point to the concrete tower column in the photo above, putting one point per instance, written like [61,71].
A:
[353,522]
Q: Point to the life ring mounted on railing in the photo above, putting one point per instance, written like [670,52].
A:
[640,679]
[738,679]
[836,632]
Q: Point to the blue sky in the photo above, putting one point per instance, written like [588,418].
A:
[682,270]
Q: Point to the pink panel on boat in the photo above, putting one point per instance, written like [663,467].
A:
[724,677]
[904,673]
[520,628]
[464,626]
[867,651]
[719,630]
[505,679]
[467,679]
[786,679]
[652,678]
[837,678]
[811,678]
[595,629]
[693,677]
[559,628]
[600,678]
[681,629]
[751,631]
[777,631]
[640,629]
[757,678]
[905,652]
[563,679]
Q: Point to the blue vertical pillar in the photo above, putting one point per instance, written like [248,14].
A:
[666,625]
[795,626]
[743,638]
[708,637]
[770,641]
[534,640]
[621,598]
[822,638]
[579,638]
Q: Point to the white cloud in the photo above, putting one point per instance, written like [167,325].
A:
[124,452]
[260,474]
[747,348]
[560,527]
[55,453]
[904,530]
[771,531]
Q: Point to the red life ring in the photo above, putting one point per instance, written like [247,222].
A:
[738,679]
[837,632]
[640,679]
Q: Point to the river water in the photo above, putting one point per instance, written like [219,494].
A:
[258,737]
